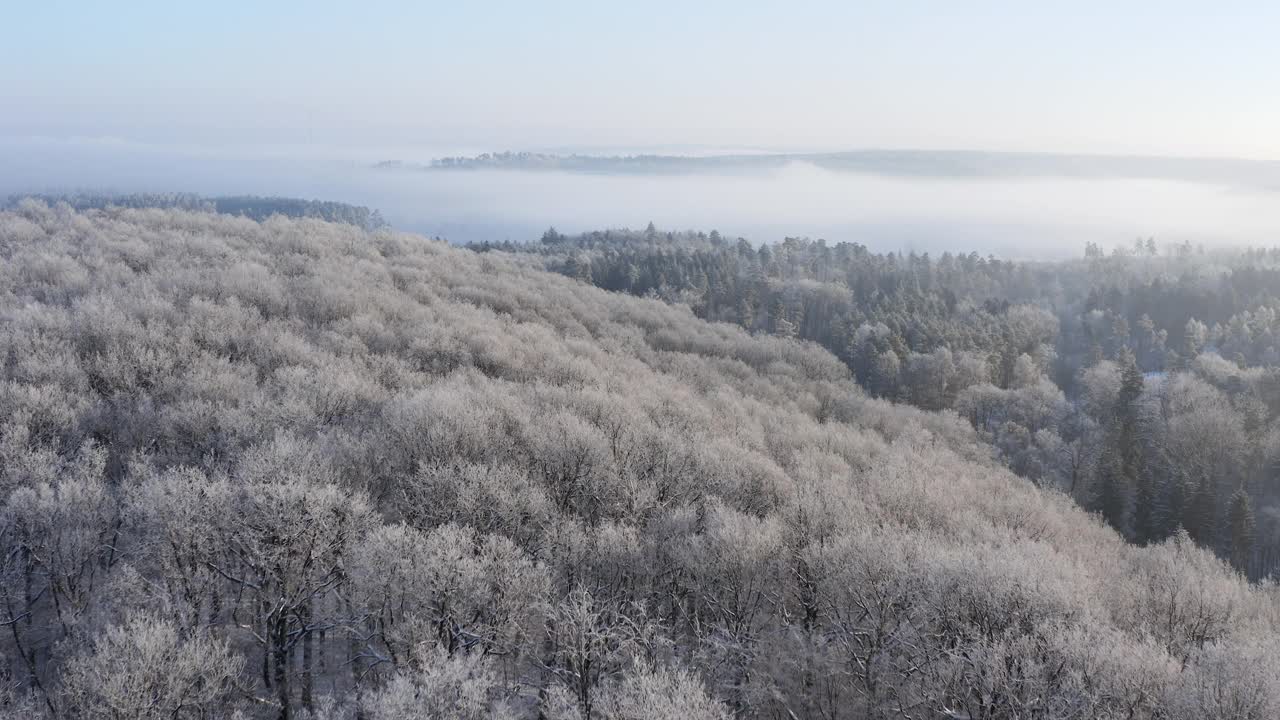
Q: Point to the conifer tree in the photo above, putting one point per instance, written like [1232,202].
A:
[1121,475]
[1201,512]
[1112,492]
[1242,523]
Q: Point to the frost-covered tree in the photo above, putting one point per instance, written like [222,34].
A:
[294,468]
[147,669]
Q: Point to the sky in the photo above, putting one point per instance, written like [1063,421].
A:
[1166,78]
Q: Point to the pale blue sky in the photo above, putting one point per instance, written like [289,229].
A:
[1144,77]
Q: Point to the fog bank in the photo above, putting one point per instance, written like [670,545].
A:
[1011,217]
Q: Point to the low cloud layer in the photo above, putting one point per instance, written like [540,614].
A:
[1011,217]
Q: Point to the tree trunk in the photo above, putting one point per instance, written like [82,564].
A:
[353,649]
[308,650]
[322,644]
[215,607]
[266,647]
[280,649]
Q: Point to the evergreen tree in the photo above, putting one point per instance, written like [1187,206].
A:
[1201,512]
[780,319]
[551,236]
[1242,523]
[1146,525]
[1126,452]
[1112,492]
[1169,511]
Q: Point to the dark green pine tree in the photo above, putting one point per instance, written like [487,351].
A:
[1242,523]
[1112,492]
[1130,383]
[1129,479]
[1167,516]
[781,320]
[747,311]
[1146,517]
[551,237]
[1200,514]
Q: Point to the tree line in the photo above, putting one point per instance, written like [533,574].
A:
[250,206]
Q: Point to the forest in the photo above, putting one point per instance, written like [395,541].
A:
[288,468]
[1144,383]
[250,206]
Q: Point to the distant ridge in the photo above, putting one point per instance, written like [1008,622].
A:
[905,163]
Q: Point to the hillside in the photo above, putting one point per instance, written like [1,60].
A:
[295,467]
[1144,382]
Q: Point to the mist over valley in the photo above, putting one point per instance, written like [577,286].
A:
[1049,213]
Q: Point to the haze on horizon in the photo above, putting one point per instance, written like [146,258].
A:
[296,98]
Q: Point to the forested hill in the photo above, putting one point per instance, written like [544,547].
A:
[293,465]
[250,206]
[1145,382]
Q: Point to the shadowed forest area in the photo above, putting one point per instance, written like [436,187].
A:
[299,469]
